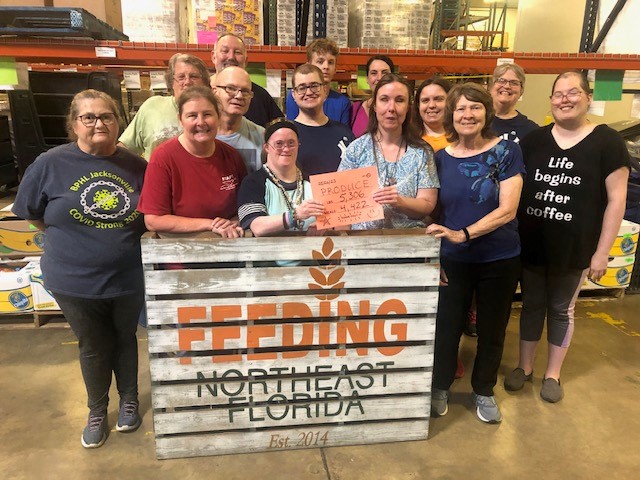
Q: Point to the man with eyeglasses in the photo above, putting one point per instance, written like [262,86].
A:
[323,53]
[322,141]
[233,89]
[230,50]
[157,119]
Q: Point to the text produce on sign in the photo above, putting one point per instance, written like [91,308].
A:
[347,197]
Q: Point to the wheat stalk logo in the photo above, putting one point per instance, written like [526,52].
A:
[328,275]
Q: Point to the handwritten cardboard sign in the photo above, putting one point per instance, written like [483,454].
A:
[347,197]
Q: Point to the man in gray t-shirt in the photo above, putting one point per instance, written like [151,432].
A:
[233,89]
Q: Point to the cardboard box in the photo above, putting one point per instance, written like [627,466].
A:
[19,237]
[15,291]
[42,298]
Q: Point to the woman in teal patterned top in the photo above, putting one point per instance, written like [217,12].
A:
[406,170]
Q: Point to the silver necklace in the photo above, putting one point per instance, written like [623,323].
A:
[389,176]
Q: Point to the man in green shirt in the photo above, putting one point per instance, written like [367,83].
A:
[157,119]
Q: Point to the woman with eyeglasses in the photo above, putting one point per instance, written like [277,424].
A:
[276,198]
[377,67]
[192,181]
[406,171]
[480,184]
[572,204]
[84,195]
[507,86]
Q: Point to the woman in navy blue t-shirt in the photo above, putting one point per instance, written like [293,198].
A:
[480,183]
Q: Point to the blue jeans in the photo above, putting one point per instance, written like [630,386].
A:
[106,332]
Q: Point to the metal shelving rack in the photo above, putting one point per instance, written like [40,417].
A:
[43,54]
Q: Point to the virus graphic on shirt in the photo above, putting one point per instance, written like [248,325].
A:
[105,199]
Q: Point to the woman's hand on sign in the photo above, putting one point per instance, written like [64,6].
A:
[226,228]
[387,195]
[309,208]
[440,231]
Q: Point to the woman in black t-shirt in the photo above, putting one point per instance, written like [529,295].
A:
[572,204]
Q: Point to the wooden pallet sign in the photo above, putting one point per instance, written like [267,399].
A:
[267,344]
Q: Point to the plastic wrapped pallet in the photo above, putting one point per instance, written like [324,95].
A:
[389,24]
[335,21]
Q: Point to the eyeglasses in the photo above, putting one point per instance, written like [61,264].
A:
[89,120]
[314,87]
[191,77]
[572,96]
[281,145]
[512,83]
[473,108]
[233,91]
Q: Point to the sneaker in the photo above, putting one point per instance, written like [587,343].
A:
[514,381]
[128,419]
[459,368]
[96,431]
[551,390]
[487,409]
[470,328]
[439,402]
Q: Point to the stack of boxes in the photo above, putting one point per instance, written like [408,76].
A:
[240,17]
[621,259]
[335,19]
[21,284]
[397,24]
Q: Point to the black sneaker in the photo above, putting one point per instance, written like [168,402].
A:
[514,381]
[128,418]
[551,390]
[96,431]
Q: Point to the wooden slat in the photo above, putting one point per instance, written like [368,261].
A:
[285,415]
[275,440]
[260,389]
[413,329]
[168,369]
[281,279]
[194,250]
[164,312]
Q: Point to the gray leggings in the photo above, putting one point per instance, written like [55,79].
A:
[551,292]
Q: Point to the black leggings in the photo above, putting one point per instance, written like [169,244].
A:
[106,331]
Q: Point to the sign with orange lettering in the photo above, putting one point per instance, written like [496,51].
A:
[347,197]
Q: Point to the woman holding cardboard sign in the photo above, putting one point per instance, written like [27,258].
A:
[84,196]
[481,179]
[406,171]
[276,198]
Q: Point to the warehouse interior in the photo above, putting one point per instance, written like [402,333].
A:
[591,433]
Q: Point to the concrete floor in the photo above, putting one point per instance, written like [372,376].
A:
[594,433]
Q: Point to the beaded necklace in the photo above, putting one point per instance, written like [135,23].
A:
[298,194]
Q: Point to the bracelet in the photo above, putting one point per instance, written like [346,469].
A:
[467,237]
[284,221]
[292,222]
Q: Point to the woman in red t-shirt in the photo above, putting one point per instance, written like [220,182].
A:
[192,181]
